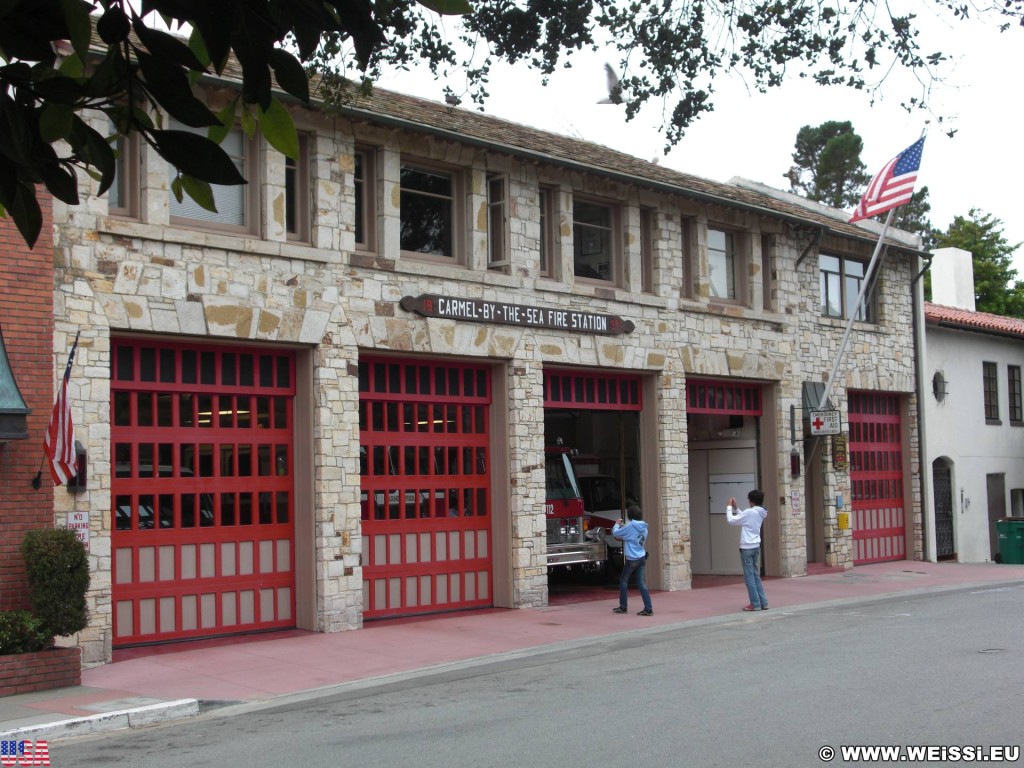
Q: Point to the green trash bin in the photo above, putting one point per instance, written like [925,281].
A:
[1011,540]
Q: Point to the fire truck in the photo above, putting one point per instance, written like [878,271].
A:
[572,541]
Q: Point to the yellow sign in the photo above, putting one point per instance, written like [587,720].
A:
[839,452]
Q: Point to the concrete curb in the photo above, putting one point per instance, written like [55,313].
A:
[108,721]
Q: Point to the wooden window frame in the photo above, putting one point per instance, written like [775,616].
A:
[499,246]
[990,389]
[733,255]
[297,194]
[1015,394]
[364,179]
[647,219]
[457,217]
[613,229]
[688,247]
[127,180]
[250,192]
[866,311]
[547,200]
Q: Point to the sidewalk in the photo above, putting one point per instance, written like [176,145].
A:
[144,686]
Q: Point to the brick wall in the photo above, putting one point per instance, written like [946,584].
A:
[40,671]
[26,317]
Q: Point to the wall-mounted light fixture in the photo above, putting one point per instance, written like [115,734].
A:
[13,411]
[939,385]
[794,462]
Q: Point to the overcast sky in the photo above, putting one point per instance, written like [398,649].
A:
[752,135]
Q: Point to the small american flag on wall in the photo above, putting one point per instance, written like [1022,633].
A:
[59,442]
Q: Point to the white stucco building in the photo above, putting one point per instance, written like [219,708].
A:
[974,414]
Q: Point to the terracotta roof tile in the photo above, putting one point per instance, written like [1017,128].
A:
[953,317]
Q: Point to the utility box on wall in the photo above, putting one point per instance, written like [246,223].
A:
[843,519]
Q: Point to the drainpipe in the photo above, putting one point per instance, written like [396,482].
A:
[920,360]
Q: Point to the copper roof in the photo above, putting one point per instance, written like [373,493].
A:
[968,320]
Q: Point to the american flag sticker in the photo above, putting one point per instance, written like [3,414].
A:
[24,752]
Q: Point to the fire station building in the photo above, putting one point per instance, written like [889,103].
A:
[329,402]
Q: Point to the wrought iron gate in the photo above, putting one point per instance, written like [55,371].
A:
[942,487]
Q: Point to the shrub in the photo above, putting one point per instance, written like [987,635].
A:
[21,632]
[58,578]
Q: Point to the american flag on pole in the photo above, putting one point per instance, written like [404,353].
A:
[892,186]
[59,443]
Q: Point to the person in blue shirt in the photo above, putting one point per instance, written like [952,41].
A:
[633,536]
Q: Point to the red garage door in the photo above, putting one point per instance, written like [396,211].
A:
[202,490]
[876,477]
[424,461]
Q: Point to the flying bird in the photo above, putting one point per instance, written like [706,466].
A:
[614,87]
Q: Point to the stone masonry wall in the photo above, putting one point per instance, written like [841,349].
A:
[334,303]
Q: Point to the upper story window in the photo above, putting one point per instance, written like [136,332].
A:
[991,387]
[123,195]
[548,226]
[723,265]
[647,250]
[429,215]
[593,241]
[498,246]
[364,186]
[767,271]
[296,187]
[841,281]
[687,228]
[1014,391]
[235,203]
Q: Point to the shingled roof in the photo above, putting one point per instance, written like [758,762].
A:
[468,126]
[472,127]
[967,320]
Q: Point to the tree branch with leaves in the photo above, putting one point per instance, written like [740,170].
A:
[52,71]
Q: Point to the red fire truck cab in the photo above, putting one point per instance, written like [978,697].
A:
[571,541]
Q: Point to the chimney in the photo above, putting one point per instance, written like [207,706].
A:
[953,278]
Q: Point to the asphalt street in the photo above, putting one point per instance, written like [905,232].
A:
[772,689]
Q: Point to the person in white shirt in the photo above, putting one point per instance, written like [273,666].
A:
[750,546]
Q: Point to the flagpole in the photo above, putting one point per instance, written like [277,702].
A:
[853,314]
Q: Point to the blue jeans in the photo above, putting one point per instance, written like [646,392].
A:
[640,568]
[752,577]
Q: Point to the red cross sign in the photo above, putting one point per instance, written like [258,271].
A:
[825,423]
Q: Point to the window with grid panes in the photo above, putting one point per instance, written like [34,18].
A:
[1015,396]
[429,216]
[991,389]
[841,280]
[548,222]
[594,253]
[723,267]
